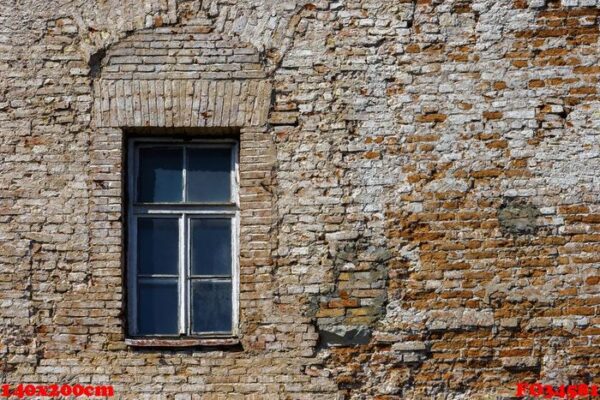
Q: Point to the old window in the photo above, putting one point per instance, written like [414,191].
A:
[183,222]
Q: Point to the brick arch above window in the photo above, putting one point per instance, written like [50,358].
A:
[175,77]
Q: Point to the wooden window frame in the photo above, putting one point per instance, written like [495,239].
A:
[185,212]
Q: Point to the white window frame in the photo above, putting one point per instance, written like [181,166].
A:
[185,212]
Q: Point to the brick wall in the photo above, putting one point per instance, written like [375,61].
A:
[419,192]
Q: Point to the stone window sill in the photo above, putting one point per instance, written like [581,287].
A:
[190,342]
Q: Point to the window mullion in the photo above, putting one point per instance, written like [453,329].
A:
[184,174]
[183,293]
[182,273]
[188,258]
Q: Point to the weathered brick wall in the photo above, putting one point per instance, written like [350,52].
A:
[419,191]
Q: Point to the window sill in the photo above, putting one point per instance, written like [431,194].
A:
[157,342]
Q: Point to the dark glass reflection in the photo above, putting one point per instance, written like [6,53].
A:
[160,175]
[158,307]
[157,249]
[211,246]
[208,175]
[211,306]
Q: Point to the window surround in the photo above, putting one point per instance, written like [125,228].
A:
[184,211]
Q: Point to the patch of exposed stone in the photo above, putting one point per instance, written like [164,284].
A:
[347,314]
[518,218]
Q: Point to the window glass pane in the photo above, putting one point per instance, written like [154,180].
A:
[157,249]
[211,306]
[160,174]
[158,310]
[211,246]
[208,174]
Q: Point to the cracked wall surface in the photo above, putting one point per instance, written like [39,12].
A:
[420,193]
